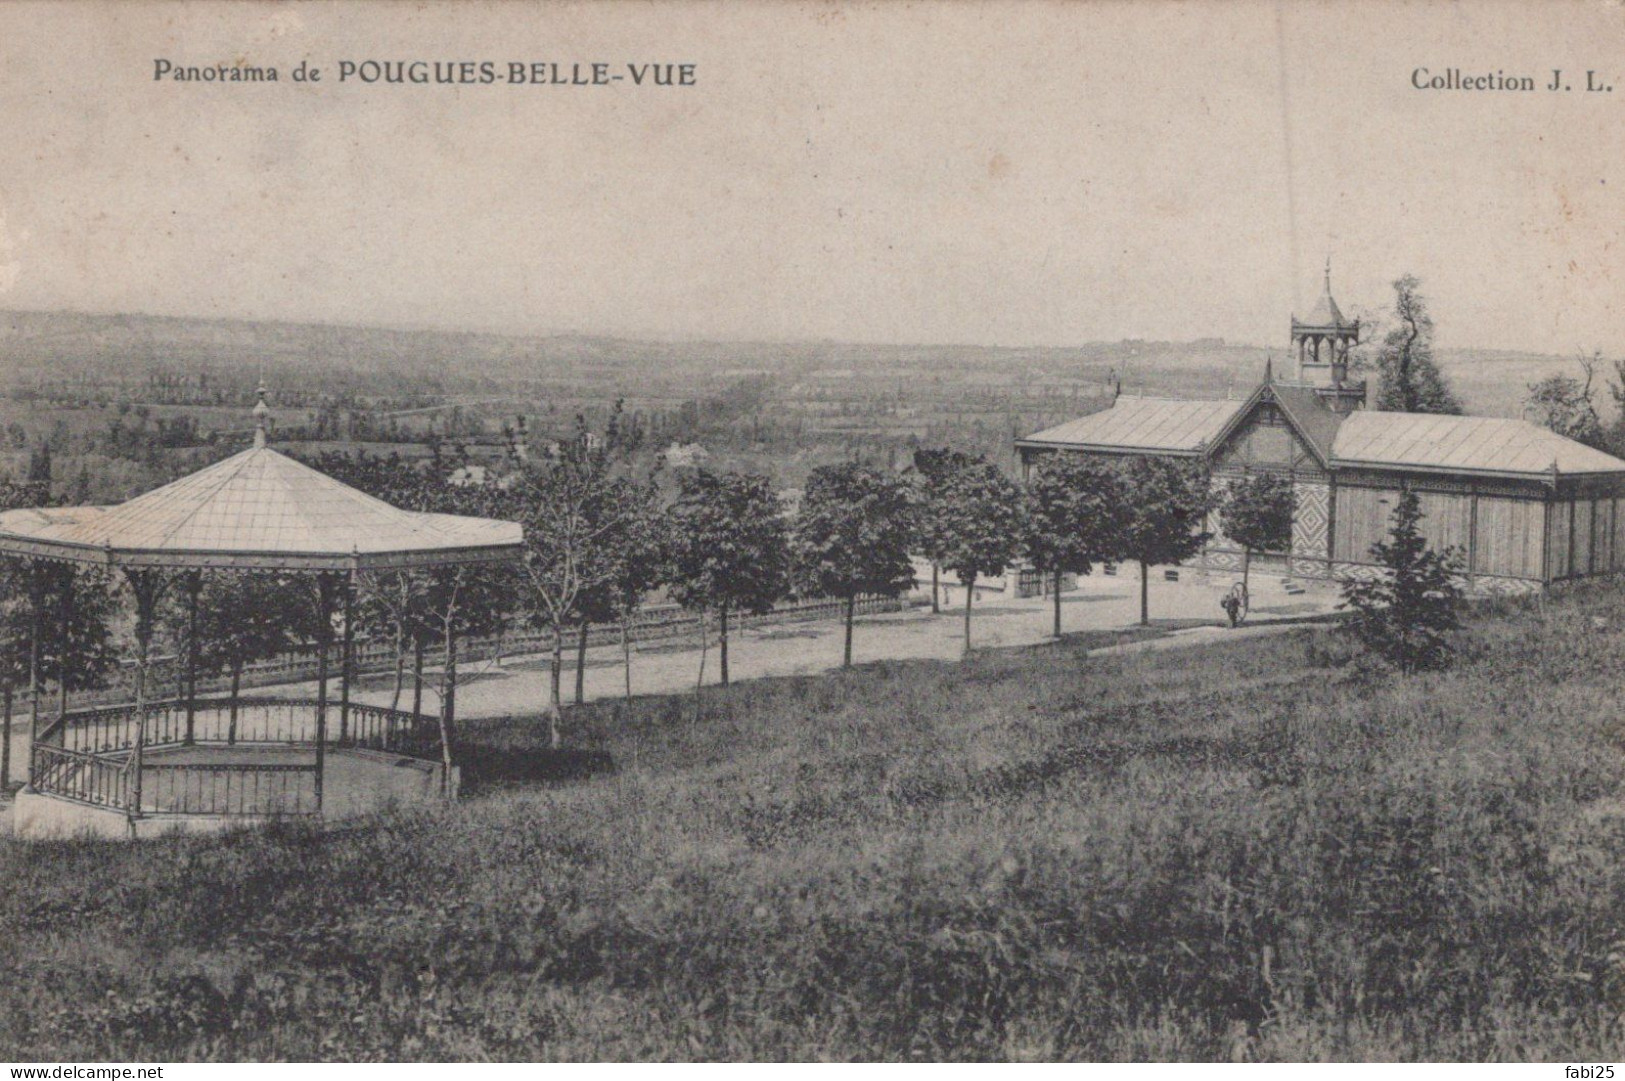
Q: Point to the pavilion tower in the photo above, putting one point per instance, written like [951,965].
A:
[1322,341]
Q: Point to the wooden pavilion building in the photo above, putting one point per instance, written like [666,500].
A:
[1523,506]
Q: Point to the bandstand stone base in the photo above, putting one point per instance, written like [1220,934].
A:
[356,782]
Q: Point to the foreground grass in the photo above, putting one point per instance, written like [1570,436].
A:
[1252,849]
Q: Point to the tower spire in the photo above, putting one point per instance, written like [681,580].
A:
[1322,342]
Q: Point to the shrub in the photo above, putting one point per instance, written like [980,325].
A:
[1407,613]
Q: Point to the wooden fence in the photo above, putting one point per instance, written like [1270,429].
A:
[376,655]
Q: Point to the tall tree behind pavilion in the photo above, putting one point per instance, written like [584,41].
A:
[435,607]
[1409,378]
[1566,405]
[64,614]
[394,603]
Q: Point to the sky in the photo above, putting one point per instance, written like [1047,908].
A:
[989,173]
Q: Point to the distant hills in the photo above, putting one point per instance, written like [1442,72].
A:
[124,349]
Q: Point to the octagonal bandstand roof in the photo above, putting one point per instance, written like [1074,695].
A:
[261,510]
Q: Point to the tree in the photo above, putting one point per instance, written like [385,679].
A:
[1616,391]
[14,495]
[562,498]
[1073,515]
[730,549]
[627,561]
[1257,514]
[983,519]
[394,604]
[397,604]
[1410,380]
[17,619]
[15,632]
[1406,614]
[639,556]
[39,468]
[1564,404]
[443,604]
[1165,502]
[853,535]
[77,651]
[461,600]
[245,617]
[934,470]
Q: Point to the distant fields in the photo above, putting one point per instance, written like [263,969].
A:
[1257,849]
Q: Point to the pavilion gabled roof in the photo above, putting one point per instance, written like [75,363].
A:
[258,508]
[1454,444]
[1365,439]
[1142,426]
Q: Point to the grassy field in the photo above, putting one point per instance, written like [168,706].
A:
[1250,850]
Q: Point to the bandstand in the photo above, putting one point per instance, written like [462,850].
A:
[153,766]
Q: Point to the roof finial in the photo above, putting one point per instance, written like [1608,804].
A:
[1269,367]
[1328,274]
[262,413]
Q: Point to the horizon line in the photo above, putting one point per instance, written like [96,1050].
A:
[408,328]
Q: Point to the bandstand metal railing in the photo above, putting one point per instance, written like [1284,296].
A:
[103,757]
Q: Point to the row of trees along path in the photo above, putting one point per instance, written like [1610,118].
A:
[603,532]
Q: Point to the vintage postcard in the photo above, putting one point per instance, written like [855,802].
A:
[811,531]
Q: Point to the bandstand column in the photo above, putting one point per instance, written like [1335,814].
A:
[64,615]
[448,689]
[194,585]
[5,737]
[448,708]
[36,601]
[417,674]
[347,660]
[147,586]
[325,587]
